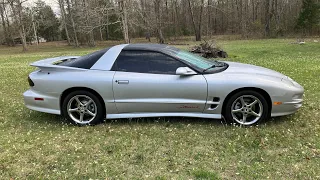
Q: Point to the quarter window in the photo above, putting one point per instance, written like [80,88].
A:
[86,61]
[146,62]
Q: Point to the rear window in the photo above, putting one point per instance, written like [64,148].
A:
[85,62]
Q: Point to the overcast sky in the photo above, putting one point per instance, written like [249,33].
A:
[53,3]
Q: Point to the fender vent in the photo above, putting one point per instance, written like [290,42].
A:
[213,106]
[30,82]
[216,99]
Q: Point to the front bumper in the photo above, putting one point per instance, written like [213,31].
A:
[291,102]
[49,104]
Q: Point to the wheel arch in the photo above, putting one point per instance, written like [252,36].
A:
[72,89]
[259,90]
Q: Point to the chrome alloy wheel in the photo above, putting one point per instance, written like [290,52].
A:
[246,110]
[82,109]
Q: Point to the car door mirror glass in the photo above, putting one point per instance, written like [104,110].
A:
[185,71]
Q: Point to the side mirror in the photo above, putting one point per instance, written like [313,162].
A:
[183,71]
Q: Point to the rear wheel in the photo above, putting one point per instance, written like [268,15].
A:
[246,108]
[83,108]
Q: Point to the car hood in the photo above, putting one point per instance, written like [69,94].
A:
[240,68]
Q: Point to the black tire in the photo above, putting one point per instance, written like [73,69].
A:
[236,99]
[96,108]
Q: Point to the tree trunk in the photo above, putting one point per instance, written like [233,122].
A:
[215,24]
[268,16]
[64,21]
[11,40]
[101,34]
[22,31]
[75,38]
[197,29]
[209,19]
[107,26]
[193,22]
[5,30]
[17,13]
[200,22]
[35,32]
[124,20]
[158,21]
[90,35]
[176,20]
[233,18]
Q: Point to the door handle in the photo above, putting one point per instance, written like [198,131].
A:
[122,81]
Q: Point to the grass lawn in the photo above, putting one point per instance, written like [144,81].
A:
[36,145]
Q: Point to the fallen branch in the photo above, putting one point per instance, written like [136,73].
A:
[209,50]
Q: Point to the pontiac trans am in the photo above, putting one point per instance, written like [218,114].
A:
[152,80]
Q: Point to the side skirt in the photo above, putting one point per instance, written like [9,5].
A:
[141,115]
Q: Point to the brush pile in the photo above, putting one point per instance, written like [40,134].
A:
[209,50]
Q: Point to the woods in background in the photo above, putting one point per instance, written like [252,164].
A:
[86,21]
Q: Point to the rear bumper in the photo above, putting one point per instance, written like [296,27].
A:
[49,104]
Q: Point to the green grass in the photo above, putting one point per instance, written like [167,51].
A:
[36,145]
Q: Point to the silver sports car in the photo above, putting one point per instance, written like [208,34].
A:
[152,80]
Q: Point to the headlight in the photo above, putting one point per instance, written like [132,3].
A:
[290,78]
[287,81]
[293,82]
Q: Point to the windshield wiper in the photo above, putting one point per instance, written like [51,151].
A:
[214,66]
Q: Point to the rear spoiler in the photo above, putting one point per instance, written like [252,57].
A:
[51,63]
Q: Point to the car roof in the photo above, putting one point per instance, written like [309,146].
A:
[150,47]
[107,60]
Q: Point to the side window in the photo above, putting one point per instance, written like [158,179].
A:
[131,61]
[162,64]
[86,61]
[146,62]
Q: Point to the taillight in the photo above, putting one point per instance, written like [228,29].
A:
[30,82]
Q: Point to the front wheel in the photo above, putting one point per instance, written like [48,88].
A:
[82,108]
[246,108]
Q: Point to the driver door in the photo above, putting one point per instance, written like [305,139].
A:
[146,81]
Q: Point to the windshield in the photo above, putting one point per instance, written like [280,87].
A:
[198,61]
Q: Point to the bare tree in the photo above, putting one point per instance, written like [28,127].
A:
[35,36]
[3,21]
[70,14]
[124,19]
[9,28]
[84,21]
[64,20]
[87,20]
[158,14]
[16,6]
[196,26]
